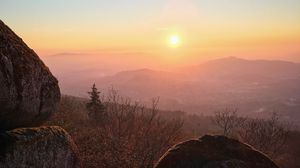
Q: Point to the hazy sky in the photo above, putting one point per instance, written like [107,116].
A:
[265,29]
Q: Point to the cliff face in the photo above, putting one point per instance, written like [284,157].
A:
[29,93]
[214,152]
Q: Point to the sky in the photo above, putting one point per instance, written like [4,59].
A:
[140,29]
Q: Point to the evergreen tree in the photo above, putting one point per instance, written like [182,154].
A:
[95,107]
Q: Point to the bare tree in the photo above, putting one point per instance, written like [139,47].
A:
[228,120]
[267,135]
[135,136]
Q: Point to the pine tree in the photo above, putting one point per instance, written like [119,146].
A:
[95,107]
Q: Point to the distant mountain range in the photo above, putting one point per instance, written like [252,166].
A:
[254,86]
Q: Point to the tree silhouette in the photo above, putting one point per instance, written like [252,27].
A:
[228,120]
[95,107]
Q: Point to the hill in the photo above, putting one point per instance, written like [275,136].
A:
[256,87]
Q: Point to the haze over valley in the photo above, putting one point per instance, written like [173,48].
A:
[150,83]
[255,87]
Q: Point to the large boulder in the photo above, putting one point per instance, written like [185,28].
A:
[29,93]
[214,152]
[45,147]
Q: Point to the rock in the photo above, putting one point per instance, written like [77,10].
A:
[214,152]
[43,147]
[29,93]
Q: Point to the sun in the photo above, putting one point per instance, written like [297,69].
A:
[174,41]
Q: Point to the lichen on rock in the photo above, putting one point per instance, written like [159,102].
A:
[38,147]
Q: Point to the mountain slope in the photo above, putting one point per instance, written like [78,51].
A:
[249,85]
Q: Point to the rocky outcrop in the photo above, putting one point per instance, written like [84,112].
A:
[38,147]
[29,93]
[214,152]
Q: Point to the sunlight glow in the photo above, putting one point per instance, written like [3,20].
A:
[174,41]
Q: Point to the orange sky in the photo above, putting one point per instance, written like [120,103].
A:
[208,29]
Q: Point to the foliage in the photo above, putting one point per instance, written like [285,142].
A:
[95,107]
[133,136]
[136,136]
